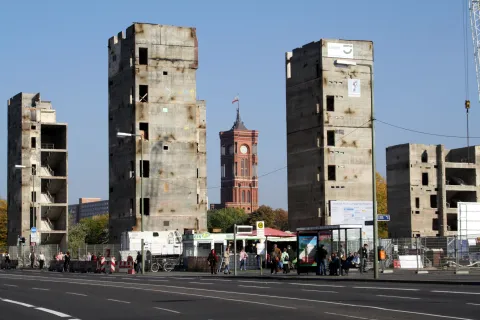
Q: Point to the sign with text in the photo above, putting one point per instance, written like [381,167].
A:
[260,228]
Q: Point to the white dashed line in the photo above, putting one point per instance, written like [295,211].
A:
[383,288]
[241,285]
[344,315]
[76,294]
[455,292]
[159,280]
[118,301]
[43,289]
[130,279]
[169,310]
[59,314]
[10,285]
[193,282]
[399,297]
[321,291]
[19,303]
[473,304]
[317,285]
[222,280]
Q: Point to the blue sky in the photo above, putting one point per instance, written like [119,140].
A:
[59,48]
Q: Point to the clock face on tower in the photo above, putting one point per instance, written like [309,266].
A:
[243,149]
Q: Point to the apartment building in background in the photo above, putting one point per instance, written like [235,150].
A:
[328,113]
[425,184]
[87,208]
[37,172]
[238,164]
[152,92]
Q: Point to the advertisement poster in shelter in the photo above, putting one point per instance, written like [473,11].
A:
[307,246]
[325,239]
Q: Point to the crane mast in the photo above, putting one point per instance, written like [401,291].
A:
[475,26]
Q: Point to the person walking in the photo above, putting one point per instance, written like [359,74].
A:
[243,260]
[322,254]
[212,261]
[364,258]
[285,259]
[7,261]
[226,261]
[291,256]
[41,259]
[66,263]
[139,262]
[275,258]
[32,259]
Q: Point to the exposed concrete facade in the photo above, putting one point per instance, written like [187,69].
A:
[239,163]
[38,192]
[329,151]
[424,184]
[152,92]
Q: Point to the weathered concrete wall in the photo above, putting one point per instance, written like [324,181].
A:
[311,77]
[176,144]
[36,140]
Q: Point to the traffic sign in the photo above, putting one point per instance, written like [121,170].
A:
[260,229]
[383,217]
[244,230]
[33,230]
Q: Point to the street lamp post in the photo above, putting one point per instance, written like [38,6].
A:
[34,200]
[374,180]
[123,135]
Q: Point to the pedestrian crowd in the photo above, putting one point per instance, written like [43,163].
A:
[339,263]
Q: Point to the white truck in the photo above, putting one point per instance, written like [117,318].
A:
[159,243]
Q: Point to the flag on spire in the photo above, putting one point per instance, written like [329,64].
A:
[236,99]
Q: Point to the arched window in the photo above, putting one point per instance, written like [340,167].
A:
[425,156]
[243,196]
[248,196]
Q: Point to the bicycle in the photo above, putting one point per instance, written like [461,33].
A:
[165,264]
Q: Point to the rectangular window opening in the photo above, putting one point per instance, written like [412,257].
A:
[34,169]
[331,138]
[34,196]
[33,142]
[146,206]
[145,169]
[166,223]
[332,173]
[236,147]
[34,127]
[143,126]
[235,169]
[197,173]
[318,108]
[319,172]
[198,198]
[433,201]
[131,206]
[330,103]
[32,217]
[165,147]
[425,179]
[165,73]
[143,93]
[417,203]
[319,139]
[143,56]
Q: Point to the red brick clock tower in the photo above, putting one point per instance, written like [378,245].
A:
[238,162]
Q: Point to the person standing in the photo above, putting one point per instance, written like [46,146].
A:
[32,259]
[226,261]
[275,258]
[292,256]
[322,254]
[285,259]
[41,259]
[243,260]
[7,261]
[139,262]
[66,263]
[364,258]
[212,261]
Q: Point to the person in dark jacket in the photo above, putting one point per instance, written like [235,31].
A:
[347,264]
[212,261]
[322,254]
[66,263]
[364,258]
[139,262]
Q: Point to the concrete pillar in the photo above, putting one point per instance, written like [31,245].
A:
[441,192]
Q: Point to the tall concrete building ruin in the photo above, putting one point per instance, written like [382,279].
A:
[424,185]
[152,92]
[328,111]
[37,172]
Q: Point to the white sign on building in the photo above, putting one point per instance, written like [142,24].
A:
[260,229]
[468,220]
[340,50]
[352,212]
[354,88]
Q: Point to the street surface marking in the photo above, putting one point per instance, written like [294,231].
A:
[317,285]
[76,294]
[456,292]
[321,291]
[43,289]
[159,280]
[130,279]
[19,303]
[344,315]
[59,314]
[473,304]
[216,280]
[259,281]
[383,288]
[166,310]
[122,285]
[399,297]
[118,301]
[10,285]
[241,285]
[193,282]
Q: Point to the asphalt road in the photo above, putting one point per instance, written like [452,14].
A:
[47,295]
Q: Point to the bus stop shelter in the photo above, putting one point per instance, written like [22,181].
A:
[311,238]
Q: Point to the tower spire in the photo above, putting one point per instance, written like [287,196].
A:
[238,124]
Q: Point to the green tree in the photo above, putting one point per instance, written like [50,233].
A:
[224,219]
[3,223]
[96,228]
[263,213]
[76,236]
[381,185]
[281,219]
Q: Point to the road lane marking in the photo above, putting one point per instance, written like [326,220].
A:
[241,285]
[399,297]
[383,288]
[159,280]
[122,285]
[262,282]
[321,291]
[118,301]
[130,279]
[473,304]
[193,282]
[19,303]
[76,294]
[455,292]
[10,285]
[169,310]
[59,314]
[317,285]
[347,316]
[43,289]
[223,280]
